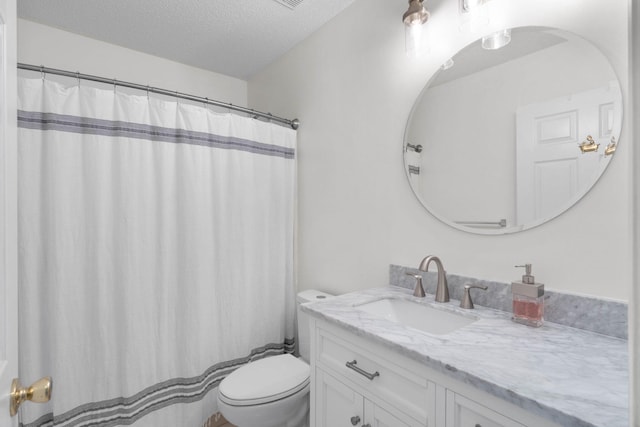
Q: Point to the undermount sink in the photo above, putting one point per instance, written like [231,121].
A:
[417,316]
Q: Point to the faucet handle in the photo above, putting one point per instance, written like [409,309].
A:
[466,301]
[418,291]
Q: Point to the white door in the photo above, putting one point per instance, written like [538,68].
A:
[8,210]
[552,173]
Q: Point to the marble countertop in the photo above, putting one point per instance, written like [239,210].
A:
[570,376]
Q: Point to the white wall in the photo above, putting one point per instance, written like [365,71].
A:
[634,304]
[42,45]
[352,87]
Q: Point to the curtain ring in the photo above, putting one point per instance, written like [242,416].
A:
[78,77]
[115,82]
[43,72]
[148,92]
[206,102]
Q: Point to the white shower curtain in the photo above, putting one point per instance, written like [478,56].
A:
[156,246]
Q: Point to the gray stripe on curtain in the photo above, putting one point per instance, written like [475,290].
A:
[125,411]
[91,126]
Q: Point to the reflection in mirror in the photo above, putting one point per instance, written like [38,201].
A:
[511,138]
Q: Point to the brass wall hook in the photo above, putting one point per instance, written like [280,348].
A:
[611,148]
[588,145]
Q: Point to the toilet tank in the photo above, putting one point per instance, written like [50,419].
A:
[303,320]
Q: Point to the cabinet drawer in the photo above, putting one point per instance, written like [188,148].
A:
[379,378]
[463,412]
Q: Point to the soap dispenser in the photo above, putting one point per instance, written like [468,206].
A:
[528,299]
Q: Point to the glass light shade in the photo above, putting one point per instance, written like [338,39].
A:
[469,5]
[497,40]
[413,40]
[413,19]
[473,16]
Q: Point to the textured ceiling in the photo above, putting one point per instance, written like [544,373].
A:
[233,37]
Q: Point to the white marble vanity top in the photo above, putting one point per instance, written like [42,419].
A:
[570,376]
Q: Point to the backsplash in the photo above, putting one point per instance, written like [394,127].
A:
[592,314]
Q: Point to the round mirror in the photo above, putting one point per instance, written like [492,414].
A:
[502,140]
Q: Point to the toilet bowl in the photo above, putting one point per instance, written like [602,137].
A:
[270,392]
[274,391]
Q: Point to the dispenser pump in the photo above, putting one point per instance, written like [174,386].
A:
[527,277]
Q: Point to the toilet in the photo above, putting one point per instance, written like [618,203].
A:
[274,391]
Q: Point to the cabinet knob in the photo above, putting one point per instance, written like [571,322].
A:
[355,420]
[478,425]
[367,425]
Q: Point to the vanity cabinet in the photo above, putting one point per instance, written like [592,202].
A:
[358,382]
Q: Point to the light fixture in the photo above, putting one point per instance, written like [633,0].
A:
[497,40]
[473,16]
[413,20]
[470,5]
[417,14]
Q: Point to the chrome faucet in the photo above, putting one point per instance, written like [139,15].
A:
[442,291]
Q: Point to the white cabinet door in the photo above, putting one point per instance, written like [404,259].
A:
[376,416]
[8,210]
[336,404]
[463,412]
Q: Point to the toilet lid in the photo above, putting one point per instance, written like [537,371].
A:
[265,380]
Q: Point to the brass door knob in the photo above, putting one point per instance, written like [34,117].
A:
[38,392]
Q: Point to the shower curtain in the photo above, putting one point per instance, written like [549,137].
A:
[155,250]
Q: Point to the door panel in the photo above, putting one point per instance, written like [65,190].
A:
[8,209]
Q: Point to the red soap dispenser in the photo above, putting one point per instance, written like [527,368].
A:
[528,300]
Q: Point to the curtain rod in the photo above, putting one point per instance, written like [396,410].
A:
[46,70]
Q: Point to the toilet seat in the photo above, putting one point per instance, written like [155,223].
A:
[265,380]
